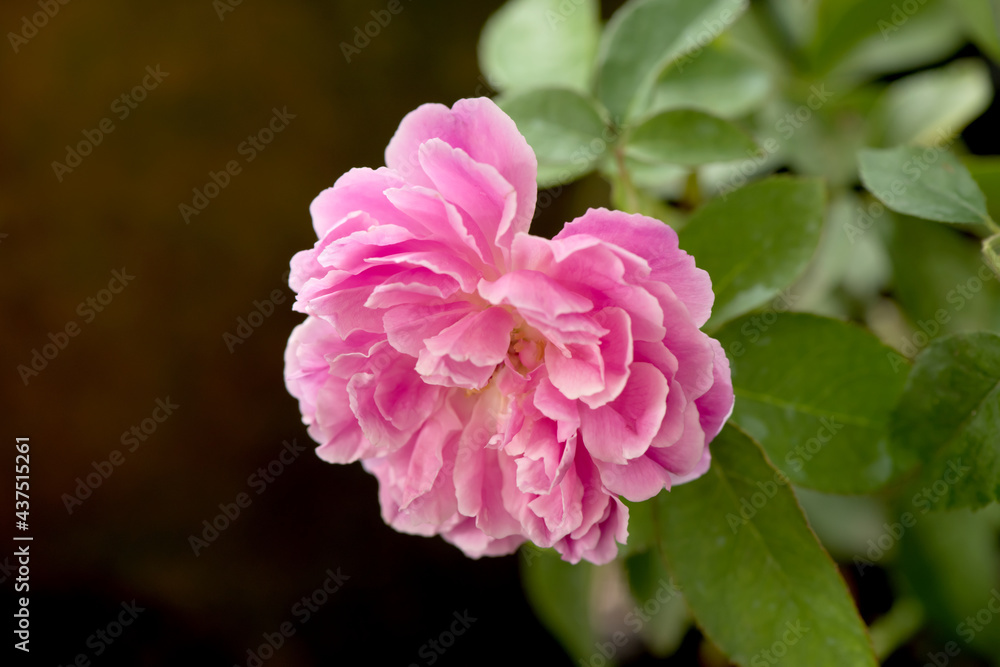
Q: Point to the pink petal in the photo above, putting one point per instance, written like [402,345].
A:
[412,286]
[556,406]
[616,354]
[357,190]
[655,242]
[441,219]
[533,291]
[467,353]
[486,134]
[624,428]
[716,405]
[477,189]
[577,370]
[408,326]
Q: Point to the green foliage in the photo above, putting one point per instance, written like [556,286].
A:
[688,108]
[757,580]
[687,137]
[924,182]
[755,241]
[817,394]
[949,419]
[536,43]
[559,593]
[644,36]
[936,104]
[565,129]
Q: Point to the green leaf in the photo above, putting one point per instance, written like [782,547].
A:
[982,20]
[559,593]
[664,618]
[844,24]
[793,18]
[924,182]
[563,127]
[641,532]
[986,172]
[752,571]
[538,43]
[720,82]
[949,418]
[929,36]
[644,36]
[687,137]
[925,107]
[818,394]
[941,282]
[755,241]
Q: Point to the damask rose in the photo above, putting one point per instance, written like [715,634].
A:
[501,386]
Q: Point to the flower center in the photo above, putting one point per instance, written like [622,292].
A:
[527,348]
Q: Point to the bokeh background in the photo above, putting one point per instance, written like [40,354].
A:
[162,337]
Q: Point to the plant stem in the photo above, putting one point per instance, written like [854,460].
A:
[894,629]
[631,199]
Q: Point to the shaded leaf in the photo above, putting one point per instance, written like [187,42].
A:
[949,418]
[755,241]
[818,394]
[752,571]
[687,137]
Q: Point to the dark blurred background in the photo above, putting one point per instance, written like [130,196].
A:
[61,237]
[169,335]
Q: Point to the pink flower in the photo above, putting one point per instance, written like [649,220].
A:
[502,387]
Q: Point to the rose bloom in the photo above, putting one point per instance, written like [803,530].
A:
[501,386]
